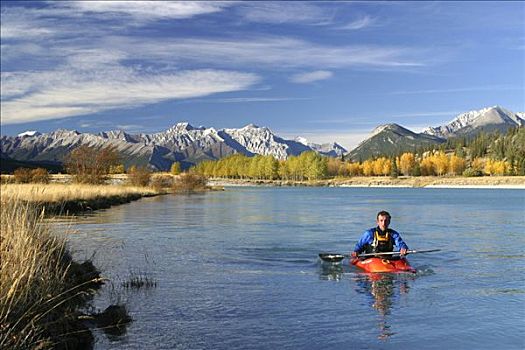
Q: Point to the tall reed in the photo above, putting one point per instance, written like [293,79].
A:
[36,292]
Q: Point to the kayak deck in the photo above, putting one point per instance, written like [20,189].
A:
[378,265]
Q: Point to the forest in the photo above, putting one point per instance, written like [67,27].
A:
[484,154]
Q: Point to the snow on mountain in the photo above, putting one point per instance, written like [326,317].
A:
[328,149]
[182,142]
[261,140]
[29,133]
[301,140]
[182,136]
[487,119]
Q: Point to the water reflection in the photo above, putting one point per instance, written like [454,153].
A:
[331,271]
[381,290]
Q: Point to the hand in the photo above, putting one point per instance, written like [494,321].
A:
[402,252]
[354,254]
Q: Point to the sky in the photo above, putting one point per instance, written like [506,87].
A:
[325,71]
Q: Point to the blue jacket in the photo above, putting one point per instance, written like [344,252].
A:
[368,238]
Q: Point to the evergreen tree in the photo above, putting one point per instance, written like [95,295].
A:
[394,172]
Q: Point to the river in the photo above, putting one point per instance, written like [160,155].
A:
[238,269]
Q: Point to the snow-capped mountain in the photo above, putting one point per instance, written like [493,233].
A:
[470,123]
[182,142]
[261,140]
[328,149]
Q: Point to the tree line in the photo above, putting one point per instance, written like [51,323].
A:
[485,154]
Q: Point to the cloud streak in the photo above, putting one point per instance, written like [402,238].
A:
[78,94]
[285,12]
[269,52]
[310,77]
[361,23]
[454,90]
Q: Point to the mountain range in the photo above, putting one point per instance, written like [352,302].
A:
[190,145]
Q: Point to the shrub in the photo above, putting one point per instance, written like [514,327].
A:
[188,182]
[117,169]
[470,172]
[160,182]
[175,168]
[40,175]
[91,165]
[22,175]
[139,176]
[7,179]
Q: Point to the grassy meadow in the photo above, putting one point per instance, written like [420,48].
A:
[55,192]
[56,198]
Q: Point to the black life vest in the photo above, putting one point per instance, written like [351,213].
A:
[382,242]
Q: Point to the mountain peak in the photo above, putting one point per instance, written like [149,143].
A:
[391,127]
[468,123]
[301,140]
[29,133]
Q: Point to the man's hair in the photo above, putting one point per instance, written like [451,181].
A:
[383,213]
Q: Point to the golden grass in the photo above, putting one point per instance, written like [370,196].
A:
[32,274]
[56,193]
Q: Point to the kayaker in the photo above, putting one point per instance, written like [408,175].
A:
[381,238]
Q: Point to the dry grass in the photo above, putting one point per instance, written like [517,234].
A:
[56,193]
[37,293]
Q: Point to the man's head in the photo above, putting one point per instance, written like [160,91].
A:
[383,220]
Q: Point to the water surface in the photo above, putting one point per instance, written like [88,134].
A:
[239,270]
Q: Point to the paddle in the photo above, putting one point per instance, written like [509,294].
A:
[334,257]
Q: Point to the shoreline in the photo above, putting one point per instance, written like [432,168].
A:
[486,182]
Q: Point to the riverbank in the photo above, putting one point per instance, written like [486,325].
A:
[65,199]
[43,289]
[512,182]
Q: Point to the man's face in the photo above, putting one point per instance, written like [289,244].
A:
[383,222]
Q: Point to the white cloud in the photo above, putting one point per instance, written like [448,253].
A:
[68,93]
[145,10]
[255,99]
[268,52]
[309,77]
[285,12]
[361,23]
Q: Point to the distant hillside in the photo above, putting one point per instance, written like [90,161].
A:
[8,165]
[389,140]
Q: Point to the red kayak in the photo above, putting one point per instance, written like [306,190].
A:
[375,265]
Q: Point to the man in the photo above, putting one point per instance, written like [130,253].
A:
[381,238]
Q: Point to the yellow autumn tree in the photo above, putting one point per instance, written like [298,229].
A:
[495,167]
[477,164]
[175,168]
[368,167]
[386,166]
[440,163]
[427,167]
[355,169]
[407,162]
[456,165]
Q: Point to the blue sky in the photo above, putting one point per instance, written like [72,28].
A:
[326,71]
